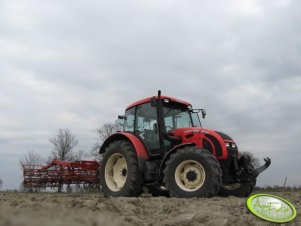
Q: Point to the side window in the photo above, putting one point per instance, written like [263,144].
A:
[130,119]
[146,117]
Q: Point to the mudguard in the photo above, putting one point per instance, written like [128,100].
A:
[137,144]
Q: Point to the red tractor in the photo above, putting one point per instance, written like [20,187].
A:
[163,147]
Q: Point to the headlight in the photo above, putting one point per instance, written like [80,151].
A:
[230,145]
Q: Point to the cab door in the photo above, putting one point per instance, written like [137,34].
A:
[146,127]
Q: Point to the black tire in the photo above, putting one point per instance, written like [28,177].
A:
[210,179]
[239,190]
[133,180]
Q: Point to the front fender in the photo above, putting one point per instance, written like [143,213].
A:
[137,144]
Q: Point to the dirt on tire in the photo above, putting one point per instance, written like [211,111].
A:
[53,209]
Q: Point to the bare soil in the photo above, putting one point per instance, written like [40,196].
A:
[74,209]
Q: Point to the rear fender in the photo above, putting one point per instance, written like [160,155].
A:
[137,144]
[167,155]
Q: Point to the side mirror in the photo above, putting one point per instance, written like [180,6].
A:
[203,113]
[122,117]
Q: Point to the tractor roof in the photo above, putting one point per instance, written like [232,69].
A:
[148,99]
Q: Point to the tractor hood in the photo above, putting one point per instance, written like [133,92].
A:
[224,136]
[216,142]
[180,132]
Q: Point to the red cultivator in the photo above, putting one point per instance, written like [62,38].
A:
[61,172]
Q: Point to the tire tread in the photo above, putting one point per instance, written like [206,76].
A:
[212,162]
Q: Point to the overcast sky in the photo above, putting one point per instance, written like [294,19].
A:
[76,64]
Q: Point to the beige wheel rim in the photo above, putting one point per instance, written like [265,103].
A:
[116,172]
[190,175]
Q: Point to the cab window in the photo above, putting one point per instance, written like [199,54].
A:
[130,119]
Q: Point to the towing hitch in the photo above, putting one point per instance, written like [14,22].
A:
[262,168]
[247,172]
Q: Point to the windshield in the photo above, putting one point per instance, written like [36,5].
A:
[180,117]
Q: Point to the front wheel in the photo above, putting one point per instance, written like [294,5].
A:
[192,172]
[119,172]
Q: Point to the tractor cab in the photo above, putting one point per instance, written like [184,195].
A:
[160,122]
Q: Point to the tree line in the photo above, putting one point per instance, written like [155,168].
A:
[278,188]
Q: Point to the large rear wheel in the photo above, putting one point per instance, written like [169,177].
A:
[119,172]
[192,172]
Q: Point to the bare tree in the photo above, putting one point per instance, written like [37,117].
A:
[30,161]
[77,156]
[64,143]
[254,160]
[1,183]
[102,133]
